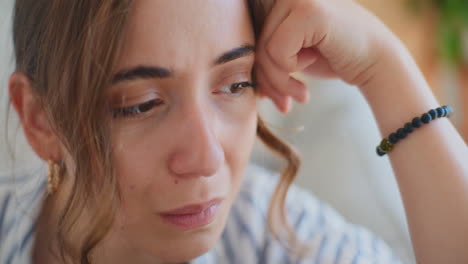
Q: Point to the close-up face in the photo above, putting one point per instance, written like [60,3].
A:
[184,123]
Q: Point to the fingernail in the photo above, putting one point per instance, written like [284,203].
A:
[288,105]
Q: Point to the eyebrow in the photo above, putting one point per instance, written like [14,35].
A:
[239,52]
[152,72]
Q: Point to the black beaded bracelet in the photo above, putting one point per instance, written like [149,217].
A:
[387,144]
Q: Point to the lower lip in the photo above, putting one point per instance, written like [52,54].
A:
[191,221]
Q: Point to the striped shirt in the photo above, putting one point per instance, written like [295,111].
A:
[245,239]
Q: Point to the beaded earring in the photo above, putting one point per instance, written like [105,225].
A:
[53,177]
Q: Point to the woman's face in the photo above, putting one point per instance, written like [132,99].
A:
[184,125]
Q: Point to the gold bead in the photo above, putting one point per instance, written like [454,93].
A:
[386,145]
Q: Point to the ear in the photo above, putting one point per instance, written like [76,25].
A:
[33,118]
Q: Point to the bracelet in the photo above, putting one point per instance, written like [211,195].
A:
[387,144]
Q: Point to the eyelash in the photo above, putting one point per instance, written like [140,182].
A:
[136,110]
[241,85]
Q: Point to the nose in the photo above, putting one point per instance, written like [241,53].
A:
[198,151]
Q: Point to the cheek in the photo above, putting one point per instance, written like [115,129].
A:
[238,132]
[238,129]
[138,159]
[141,150]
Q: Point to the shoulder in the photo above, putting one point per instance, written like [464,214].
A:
[20,200]
[331,238]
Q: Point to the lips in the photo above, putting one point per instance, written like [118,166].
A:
[192,209]
[192,216]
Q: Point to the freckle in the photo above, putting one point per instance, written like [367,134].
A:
[176,181]
[132,187]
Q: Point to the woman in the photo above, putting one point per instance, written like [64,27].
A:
[145,111]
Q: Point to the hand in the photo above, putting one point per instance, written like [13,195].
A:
[324,38]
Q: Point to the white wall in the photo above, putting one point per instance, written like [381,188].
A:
[6,62]
[24,160]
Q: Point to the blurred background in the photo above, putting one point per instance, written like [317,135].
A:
[336,132]
[339,133]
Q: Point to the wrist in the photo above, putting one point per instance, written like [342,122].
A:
[392,59]
[397,89]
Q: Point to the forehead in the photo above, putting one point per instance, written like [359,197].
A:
[182,34]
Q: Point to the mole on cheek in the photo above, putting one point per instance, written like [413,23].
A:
[176,181]
[132,187]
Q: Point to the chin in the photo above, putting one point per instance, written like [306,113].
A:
[193,243]
[194,249]
[192,246]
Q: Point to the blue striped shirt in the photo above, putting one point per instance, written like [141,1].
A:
[245,239]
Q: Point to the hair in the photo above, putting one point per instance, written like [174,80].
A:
[67,50]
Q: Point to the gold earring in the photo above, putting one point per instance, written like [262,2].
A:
[53,177]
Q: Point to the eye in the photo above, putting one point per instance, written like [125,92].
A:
[236,89]
[136,110]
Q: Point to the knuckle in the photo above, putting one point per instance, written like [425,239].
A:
[279,59]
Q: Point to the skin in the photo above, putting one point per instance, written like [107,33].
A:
[196,133]
[338,38]
[189,149]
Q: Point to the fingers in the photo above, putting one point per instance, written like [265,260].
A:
[298,90]
[282,83]
[285,43]
[282,102]
[278,57]
[282,50]
[276,15]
